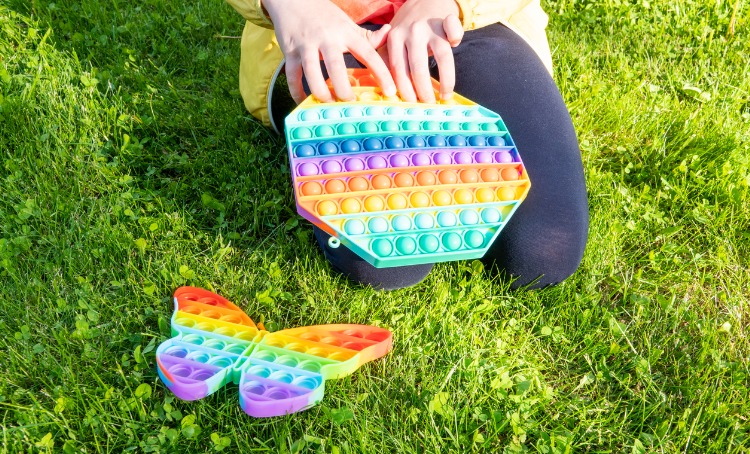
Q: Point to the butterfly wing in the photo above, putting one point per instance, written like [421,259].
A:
[211,340]
[287,370]
[215,343]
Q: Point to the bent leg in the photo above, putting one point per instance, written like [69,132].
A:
[544,242]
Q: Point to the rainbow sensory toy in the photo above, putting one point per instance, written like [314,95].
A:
[278,373]
[404,183]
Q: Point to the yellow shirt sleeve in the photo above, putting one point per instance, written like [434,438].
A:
[252,11]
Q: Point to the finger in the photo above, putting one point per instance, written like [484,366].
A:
[400,69]
[337,72]
[419,69]
[367,55]
[454,31]
[293,69]
[443,54]
[314,76]
[377,38]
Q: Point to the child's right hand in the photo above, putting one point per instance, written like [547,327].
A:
[308,30]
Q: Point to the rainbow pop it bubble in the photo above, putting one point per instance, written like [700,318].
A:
[279,373]
[404,183]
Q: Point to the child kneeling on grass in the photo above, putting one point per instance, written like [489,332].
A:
[492,52]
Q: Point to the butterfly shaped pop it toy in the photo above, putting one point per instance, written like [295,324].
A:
[404,183]
[278,373]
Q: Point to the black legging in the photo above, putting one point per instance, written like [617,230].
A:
[543,243]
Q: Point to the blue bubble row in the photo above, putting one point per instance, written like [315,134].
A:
[331,147]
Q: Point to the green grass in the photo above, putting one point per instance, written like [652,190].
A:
[129,167]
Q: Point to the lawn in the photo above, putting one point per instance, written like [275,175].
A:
[130,168]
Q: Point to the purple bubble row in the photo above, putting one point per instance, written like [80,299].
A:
[403,159]
[372,144]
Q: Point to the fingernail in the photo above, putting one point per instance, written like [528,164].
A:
[446,96]
[390,91]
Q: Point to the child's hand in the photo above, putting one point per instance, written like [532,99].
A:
[421,28]
[308,30]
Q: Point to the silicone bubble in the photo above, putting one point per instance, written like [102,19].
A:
[449,125]
[335,186]
[324,131]
[415,142]
[483,157]
[406,245]
[354,227]
[403,179]
[474,239]
[350,205]
[350,146]
[331,114]
[399,160]
[375,203]
[301,133]
[420,159]
[396,202]
[377,225]
[463,157]
[304,151]
[436,141]
[477,141]
[430,126]
[345,129]
[368,127]
[428,243]
[470,126]
[327,148]
[393,143]
[377,162]
[468,217]
[307,169]
[441,198]
[496,141]
[509,174]
[446,219]
[463,196]
[375,111]
[426,178]
[382,247]
[468,176]
[401,222]
[358,184]
[491,215]
[451,241]
[410,125]
[354,165]
[419,200]
[331,167]
[381,181]
[396,111]
[327,208]
[424,221]
[442,159]
[353,112]
[447,177]
[489,175]
[503,157]
[457,141]
[506,193]
[485,195]
[489,127]
[372,144]
[389,126]
[311,188]
[309,115]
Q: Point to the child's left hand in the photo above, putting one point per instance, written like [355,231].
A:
[421,28]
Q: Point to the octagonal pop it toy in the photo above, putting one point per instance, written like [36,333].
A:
[404,183]
[278,373]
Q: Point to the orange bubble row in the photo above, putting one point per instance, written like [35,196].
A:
[406,180]
[418,199]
